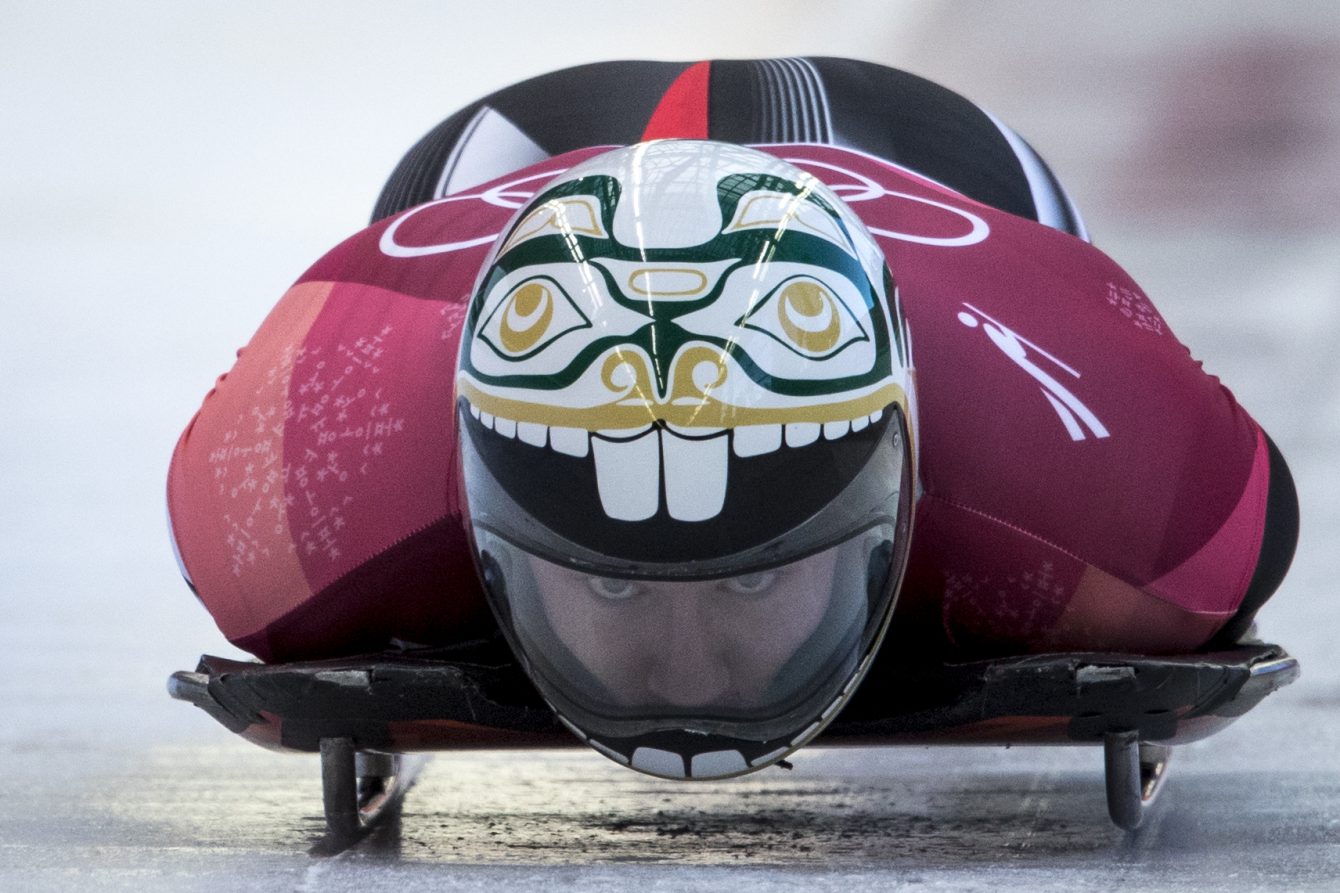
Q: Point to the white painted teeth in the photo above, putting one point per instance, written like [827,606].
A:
[695,475]
[570,441]
[689,465]
[629,473]
[531,433]
[628,476]
[799,434]
[755,440]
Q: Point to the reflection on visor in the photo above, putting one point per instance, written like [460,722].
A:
[749,651]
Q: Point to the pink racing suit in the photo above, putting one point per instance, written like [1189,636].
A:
[1084,485]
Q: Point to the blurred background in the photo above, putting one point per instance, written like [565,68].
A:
[168,168]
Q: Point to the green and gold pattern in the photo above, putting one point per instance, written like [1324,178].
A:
[669,308]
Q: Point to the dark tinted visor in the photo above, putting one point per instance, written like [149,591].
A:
[749,654]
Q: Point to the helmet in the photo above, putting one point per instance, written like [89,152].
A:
[686,452]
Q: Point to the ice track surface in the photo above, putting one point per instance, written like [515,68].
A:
[170,169]
[207,816]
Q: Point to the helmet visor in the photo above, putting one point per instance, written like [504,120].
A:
[750,655]
[759,645]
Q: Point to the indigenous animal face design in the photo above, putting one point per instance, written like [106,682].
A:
[671,309]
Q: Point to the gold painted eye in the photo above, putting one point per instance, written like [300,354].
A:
[807,317]
[808,314]
[526,316]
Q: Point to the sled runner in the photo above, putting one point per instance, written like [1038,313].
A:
[370,716]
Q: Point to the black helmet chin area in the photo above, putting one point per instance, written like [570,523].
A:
[701,668]
[780,505]
[769,494]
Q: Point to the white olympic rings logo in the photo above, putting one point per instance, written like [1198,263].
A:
[508,195]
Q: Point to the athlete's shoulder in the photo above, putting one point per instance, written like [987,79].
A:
[433,250]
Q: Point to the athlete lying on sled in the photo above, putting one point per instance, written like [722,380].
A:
[709,428]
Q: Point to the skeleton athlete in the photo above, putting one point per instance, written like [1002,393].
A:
[665,361]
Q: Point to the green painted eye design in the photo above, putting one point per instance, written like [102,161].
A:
[531,316]
[806,317]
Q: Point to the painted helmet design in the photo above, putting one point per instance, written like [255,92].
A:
[686,449]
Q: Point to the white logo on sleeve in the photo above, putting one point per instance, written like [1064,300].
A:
[1072,412]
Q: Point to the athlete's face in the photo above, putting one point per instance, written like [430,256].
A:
[716,643]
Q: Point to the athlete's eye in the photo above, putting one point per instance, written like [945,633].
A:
[751,584]
[531,316]
[613,589]
[805,316]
